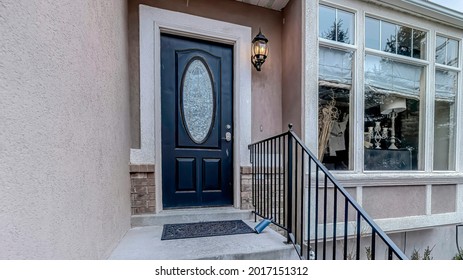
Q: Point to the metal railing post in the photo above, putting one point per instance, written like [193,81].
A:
[289,210]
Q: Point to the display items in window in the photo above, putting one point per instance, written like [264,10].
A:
[393,91]
[335,85]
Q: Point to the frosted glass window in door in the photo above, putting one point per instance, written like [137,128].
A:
[197,100]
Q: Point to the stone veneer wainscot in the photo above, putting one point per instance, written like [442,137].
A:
[142,191]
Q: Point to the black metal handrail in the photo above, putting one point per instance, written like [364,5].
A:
[290,186]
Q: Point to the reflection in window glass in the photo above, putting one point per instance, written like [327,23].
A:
[404,41]
[392,114]
[336,25]
[441,49]
[419,44]
[372,33]
[446,51]
[392,38]
[335,85]
[444,120]
[345,27]
[327,22]
[388,37]
[452,53]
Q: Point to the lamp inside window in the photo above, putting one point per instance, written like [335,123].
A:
[391,107]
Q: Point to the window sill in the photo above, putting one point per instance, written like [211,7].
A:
[394,178]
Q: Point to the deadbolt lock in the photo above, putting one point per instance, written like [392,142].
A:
[228,136]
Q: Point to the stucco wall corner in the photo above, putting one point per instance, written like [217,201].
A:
[64,137]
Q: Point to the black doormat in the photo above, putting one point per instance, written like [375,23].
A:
[203,229]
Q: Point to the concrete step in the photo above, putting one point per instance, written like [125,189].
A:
[144,243]
[191,215]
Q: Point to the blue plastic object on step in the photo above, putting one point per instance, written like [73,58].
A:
[262,225]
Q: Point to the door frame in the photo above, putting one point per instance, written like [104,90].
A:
[153,22]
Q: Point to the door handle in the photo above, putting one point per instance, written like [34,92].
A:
[228,137]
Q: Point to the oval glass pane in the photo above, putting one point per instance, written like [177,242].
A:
[197,100]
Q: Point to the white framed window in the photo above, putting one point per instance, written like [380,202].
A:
[337,53]
[394,90]
[336,25]
[447,71]
[394,38]
[398,78]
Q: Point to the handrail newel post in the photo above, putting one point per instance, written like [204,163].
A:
[289,210]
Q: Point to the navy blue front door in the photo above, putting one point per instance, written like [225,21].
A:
[197,128]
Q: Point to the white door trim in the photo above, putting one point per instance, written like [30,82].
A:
[153,21]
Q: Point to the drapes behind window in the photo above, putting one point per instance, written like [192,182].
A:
[386,76]
[446,85]
[335,66]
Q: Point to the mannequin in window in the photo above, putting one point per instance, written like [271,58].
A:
[337,141]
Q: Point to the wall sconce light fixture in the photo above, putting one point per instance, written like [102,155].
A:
[259,50]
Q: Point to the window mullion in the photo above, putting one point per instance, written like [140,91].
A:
[459,115]
[336,25]
[332,44]
[399,58]
[358,99]
[446,50]
[446,67]
[428,108]
[380,33]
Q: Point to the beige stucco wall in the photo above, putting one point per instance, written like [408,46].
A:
[292,99]
[440,239]
[266,85]
[64,128]
[390,201]
[443,199]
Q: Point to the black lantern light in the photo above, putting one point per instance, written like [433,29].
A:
[259,50]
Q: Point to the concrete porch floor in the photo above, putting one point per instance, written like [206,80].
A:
[144,243]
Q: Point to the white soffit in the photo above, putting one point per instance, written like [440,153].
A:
[269,4]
